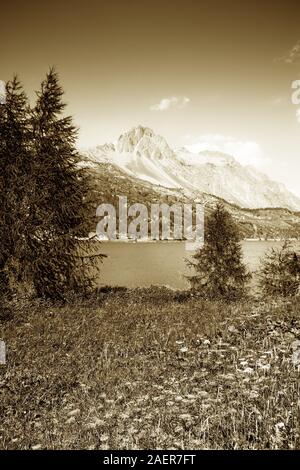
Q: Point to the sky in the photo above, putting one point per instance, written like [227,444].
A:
[206,75]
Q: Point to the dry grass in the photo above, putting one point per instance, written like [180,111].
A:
[146,369]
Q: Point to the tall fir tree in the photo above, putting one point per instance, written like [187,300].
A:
[15,182]
[218,268]
[62,186]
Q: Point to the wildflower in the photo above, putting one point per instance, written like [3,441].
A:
[94,424]
[74,412]
[205,406]
[263,366]
[295,344]
[296,357]
[243,363]
[203,394]
[178,398]
[71,420]
[232,329]
[248,370]
[185,416]
[253,394]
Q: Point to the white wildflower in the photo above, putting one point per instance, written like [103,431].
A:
[248,370]
[296,357]
[295,344]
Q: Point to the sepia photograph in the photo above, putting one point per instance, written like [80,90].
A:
[149,230]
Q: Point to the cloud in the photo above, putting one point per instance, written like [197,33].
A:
[245,152]
[172,102]
[292,56]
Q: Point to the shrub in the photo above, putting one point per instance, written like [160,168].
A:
[279,273]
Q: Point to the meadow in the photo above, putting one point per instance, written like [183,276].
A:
[150,368]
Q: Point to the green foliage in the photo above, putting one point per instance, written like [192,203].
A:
[279,273]
[218,266]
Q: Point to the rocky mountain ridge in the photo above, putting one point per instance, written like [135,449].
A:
[145,156]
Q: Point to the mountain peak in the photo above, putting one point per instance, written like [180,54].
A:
[128,141]
[143,142]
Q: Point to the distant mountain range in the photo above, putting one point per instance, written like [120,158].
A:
[142,155]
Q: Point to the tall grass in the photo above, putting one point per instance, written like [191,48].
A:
[145,369]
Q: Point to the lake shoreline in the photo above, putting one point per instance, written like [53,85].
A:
[128,240]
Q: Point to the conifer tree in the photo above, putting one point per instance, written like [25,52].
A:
[279,272]
[219,270]
[61,187]
[15,182]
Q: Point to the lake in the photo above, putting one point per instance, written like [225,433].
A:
[144,264]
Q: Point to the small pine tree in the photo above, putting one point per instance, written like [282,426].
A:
[62,186]
[15,182]
[279,273]
[218,266]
